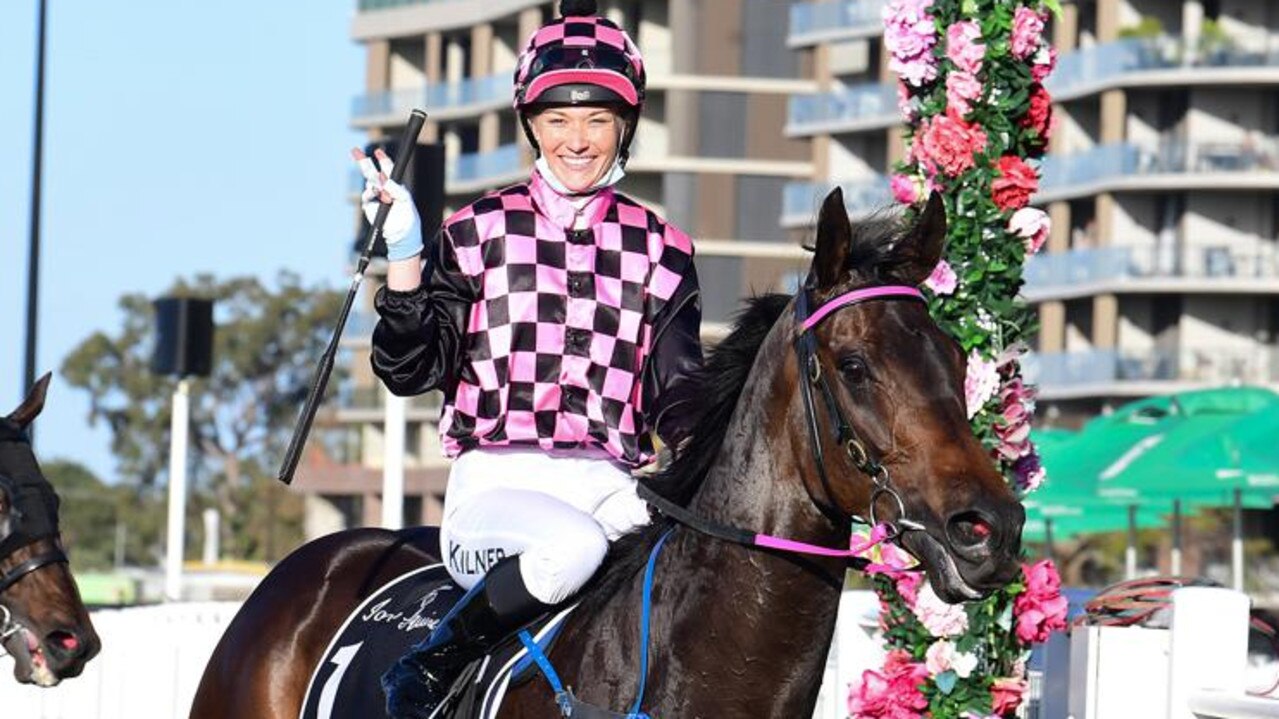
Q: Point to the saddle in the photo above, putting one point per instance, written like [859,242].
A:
[401,613]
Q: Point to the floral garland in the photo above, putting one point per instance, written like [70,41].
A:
[978,120]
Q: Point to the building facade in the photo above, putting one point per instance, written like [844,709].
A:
[710,155]
[1161,273]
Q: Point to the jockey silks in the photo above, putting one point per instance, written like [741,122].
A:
[548,336]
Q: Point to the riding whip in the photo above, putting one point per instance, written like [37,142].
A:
[408,142]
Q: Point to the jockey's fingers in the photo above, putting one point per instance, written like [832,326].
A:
[369,170]
[384,162]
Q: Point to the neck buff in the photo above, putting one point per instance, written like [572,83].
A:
[610,178]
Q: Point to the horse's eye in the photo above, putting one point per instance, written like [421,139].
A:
[854,369]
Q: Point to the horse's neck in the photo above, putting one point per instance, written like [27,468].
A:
[764,610]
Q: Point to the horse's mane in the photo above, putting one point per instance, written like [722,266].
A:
[720,383]
[870,259]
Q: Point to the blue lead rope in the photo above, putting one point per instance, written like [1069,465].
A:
[564,698]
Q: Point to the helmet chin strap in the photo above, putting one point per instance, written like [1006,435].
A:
[610,178]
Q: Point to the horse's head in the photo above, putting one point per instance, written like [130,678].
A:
[43,623]
[883,369]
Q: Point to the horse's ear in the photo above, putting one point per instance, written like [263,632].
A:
[31,406]
[834,242]
[919,250]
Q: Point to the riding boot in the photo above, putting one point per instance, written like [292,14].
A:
[494,609]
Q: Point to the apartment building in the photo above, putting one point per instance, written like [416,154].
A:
[710,155]
[1161,273]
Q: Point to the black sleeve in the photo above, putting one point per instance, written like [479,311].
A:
[418,343]
[671,376]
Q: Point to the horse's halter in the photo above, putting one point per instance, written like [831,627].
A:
[32,507]
[845,436]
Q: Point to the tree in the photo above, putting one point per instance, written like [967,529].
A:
[266,346]
[92,512]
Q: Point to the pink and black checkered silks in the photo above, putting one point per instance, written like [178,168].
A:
[580,49]
[558,323]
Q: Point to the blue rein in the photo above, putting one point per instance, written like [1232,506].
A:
[569,704]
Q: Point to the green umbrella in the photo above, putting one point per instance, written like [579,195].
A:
[1186,448]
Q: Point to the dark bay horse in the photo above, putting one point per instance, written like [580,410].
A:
[43,624]
[810,417]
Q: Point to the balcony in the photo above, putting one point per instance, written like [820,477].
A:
[481,170]
[862,107]
[802,200]
[379,19]
[815,22]
[1157,62]
[1196,268]
[1171,165]
[366,404]
[1069,375]
[443,101]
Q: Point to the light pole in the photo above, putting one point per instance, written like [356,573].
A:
[33,256]
[183,349]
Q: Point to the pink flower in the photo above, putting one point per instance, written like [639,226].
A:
[1017,405]
[891,693]
[980,382]
[904,104]
[1029,472]
[948,144]
[943,656]
[1031,225]
[909,36]
[961,89]
[963,48]
[906,188]
[885,557]
[939,618]
[1015,184]
[943,280]
[1040,610]
[1006,694]
[1044,63]
[1028,30]
[907,586]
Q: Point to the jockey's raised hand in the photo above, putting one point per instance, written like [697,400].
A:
[402,231]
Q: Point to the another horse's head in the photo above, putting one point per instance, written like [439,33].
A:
[897,381]
[43,623]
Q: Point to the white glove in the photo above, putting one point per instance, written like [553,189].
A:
[402,230]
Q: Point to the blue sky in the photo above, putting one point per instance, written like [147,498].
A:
[180,137]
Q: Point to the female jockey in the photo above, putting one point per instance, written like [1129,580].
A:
[560,319]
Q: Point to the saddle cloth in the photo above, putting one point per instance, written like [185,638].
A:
[401,613]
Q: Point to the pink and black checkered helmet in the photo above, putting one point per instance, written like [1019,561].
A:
[580,59]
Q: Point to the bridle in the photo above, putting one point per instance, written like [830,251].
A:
[881,484]
[17,539]
[845,435]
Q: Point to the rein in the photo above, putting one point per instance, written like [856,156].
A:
[806,347]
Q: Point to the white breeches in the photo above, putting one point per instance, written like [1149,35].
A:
[557,513]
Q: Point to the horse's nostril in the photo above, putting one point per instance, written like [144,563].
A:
[969,529]
[66,642]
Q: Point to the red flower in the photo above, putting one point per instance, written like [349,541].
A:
[1039,115]
[1015,184]
[948,144]
[1006,694]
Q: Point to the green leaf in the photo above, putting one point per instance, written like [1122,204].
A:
[946,681]
[1055,7]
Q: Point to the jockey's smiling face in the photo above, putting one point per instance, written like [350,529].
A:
[579,143]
